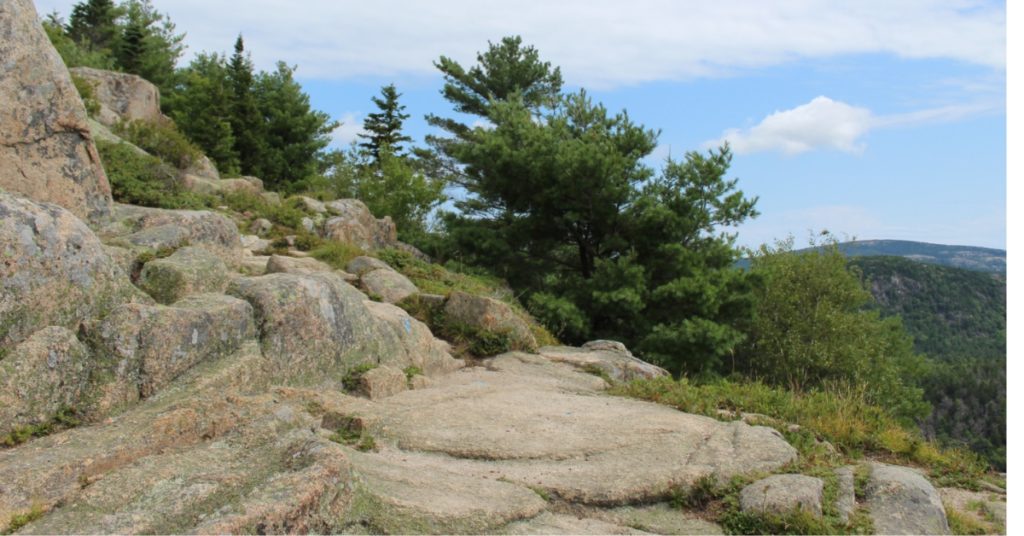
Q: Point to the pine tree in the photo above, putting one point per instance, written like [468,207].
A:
[385,127]
[294,135]
[246,120]
[204,110]
[132,47]
[150,48]
[93,25]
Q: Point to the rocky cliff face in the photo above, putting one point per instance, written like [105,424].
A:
[46,150]
[284,399]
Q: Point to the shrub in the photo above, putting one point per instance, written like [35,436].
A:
[336,254]
[141,179]
[161,139]
[355,375]
[86,92]
[437,279]
[285,214]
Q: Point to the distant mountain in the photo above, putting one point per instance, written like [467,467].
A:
[967,257]
[958,319]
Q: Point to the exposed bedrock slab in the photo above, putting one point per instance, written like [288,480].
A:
[608,356]
[546,425]
[240,465]
[397,497]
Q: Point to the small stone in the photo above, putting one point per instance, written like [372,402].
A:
[261,227]
[382,382]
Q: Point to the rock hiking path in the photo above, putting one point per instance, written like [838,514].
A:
[522,445]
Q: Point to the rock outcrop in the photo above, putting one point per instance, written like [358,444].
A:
[43,375]
[380,281]
[189,270]
[121,96]
[46,151]
[55,271]
[491,315]
[353,223]
[610,357]
[142,348]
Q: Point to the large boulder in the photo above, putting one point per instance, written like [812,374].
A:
[353,223]
[121,96]
[490,315]
[141,348]
[901,501]
[295,265]
[316,327]
[46,150]
[387,285]
[784,494]
[43,375]
[55,271]
[414,344]
[157,228]
[610,357]
[189,270]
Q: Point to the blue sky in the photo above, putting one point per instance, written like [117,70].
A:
[874,119]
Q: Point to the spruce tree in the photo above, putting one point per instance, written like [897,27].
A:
[93,25]
[132,47]
[385,127]
[246,120]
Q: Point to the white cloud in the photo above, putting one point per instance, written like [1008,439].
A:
[824,123]
[596,42]
[349,130]
[821,123]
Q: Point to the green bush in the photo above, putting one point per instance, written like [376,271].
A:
[85,91]
[436,279]
[284,214]
[336,254]
[811,328]
[141,179]
[161,139]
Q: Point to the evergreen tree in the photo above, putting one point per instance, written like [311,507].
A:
[132,47]
[93,25]
[150,48]
[505,70]
[246,121]
[204,110]
[385,127]
[293,135]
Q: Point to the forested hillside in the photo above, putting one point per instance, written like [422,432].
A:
[958,319]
